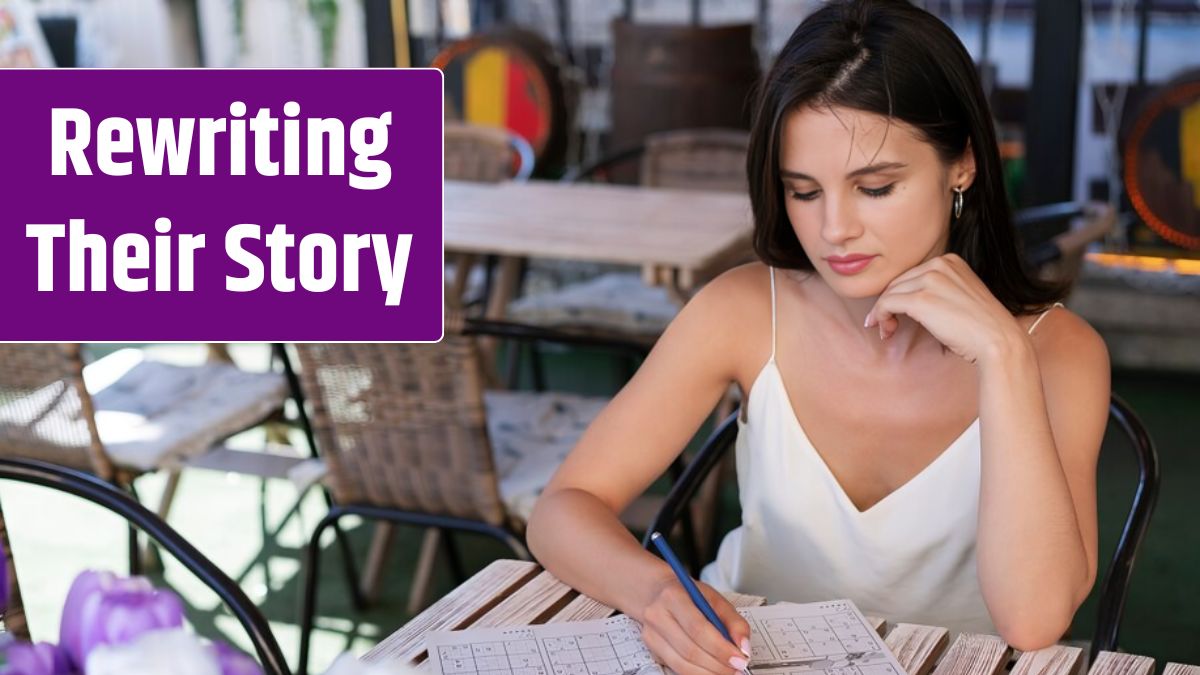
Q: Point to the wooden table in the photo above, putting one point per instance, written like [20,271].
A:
[675,236]
[514,593]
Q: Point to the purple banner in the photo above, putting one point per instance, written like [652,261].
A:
[221,205]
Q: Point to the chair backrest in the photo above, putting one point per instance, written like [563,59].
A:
[1114,588]
[1115,585]
[98,492]
[45,410]
[485,154]
[403,426]
[696,159]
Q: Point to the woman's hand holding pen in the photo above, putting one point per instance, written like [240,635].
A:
[683,639]
[946,297]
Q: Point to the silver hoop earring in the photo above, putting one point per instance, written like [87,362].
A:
[958,202]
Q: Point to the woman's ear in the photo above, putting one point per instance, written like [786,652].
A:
[962,171]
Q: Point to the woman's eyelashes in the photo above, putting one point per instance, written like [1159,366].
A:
[870,192]
[878,192]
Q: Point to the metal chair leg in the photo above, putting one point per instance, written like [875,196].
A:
[452,556]
[308,606]
[135,548]
[535,365]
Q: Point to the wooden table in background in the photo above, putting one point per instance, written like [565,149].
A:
[516,593]
[675,236]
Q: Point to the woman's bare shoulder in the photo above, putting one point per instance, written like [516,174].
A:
[739,284]
[729,316]
[1074,365]
[1063,339]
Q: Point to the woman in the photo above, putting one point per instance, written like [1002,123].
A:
[920,419]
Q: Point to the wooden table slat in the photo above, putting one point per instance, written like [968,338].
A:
[537,600]
[683,229]
[974,654]
[582,608]
[513,592]
[455,610]
[1112,663]
[917,647]
[1053,660]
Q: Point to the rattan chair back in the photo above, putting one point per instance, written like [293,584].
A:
[403,426]
[696,159]
[45,410]
[482,154]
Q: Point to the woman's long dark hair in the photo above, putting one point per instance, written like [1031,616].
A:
[893,59]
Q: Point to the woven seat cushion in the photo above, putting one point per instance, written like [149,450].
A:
[152,414]
[531,434]
[618,302]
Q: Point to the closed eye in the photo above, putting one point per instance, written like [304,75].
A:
[878,192]
[804,196]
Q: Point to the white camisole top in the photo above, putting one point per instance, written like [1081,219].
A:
[910,557]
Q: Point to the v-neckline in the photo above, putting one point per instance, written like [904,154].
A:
[841,492]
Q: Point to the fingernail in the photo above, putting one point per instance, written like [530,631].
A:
[881,335]
[867,322]
[745,645]
[738,663]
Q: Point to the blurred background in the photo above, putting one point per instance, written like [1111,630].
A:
[1097,103]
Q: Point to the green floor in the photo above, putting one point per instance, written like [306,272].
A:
[54,537]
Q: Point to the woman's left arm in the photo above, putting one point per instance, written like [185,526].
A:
[1043,408]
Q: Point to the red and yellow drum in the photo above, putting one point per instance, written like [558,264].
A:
[510,78]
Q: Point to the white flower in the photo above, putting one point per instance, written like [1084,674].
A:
[346,664]
[160,652]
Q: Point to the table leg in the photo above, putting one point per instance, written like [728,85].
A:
[504,289]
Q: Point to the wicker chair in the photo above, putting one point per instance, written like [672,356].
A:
[474,153]
[123,416]
[410,435]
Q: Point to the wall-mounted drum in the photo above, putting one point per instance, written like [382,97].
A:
[1162,162]
[511,78]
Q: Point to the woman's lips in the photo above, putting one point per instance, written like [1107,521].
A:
[849,265]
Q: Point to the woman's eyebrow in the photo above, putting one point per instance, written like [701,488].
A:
[861,171]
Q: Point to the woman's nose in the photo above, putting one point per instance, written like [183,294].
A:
[839,224]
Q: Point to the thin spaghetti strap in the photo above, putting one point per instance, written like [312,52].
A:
[772,269]
[1043,315]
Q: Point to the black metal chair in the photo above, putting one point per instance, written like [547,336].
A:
[99,492]
[1114,588]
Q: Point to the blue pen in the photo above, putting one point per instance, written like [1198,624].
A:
[684,578]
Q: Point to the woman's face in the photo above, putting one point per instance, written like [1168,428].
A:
[868,200]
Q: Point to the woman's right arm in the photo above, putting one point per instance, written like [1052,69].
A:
[575,531]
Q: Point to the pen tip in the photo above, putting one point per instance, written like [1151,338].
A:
[655,535]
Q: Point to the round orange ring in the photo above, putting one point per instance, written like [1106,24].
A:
[1173,97]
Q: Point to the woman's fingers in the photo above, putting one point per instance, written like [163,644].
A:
[738,627]
[888,306]
[661,647]
[677,620]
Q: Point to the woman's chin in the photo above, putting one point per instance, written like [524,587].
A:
[856,286]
